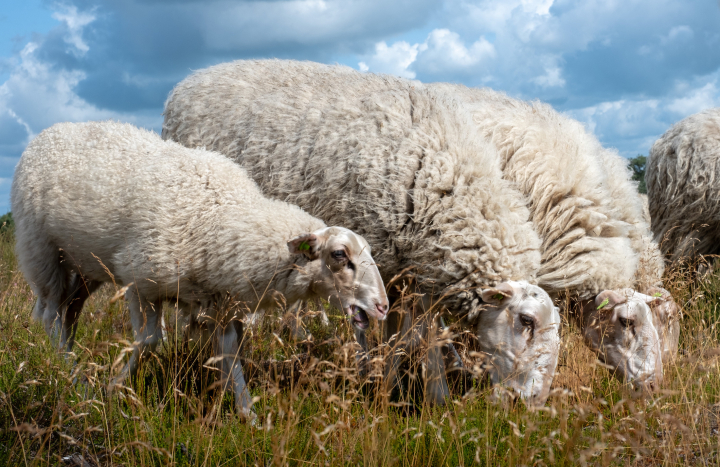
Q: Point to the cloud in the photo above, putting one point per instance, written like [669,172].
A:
[75,23]
[632,125]
[442,53]
[393,60]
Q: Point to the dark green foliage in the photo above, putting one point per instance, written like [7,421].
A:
[637,165]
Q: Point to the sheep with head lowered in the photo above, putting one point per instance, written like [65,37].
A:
[403,165]
[101,201]
[682,176]
[589,216]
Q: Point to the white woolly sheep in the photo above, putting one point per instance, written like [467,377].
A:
[683,184]
[583,204]
[405,166]
[102,201]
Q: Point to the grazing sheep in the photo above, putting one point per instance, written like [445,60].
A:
[583,204]
[682,176]
[99,202]
[403,165]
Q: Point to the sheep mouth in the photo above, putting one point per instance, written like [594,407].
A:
[359,317]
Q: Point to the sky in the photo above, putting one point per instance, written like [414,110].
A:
[627,69]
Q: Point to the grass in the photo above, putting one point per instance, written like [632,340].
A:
[314,408]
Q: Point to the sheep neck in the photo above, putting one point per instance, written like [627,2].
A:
[295,281]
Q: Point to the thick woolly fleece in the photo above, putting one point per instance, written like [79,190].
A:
[123,204]
[683,182]
[583,203]
[294,124]
[398,163]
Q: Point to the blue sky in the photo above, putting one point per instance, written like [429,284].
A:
[627,69]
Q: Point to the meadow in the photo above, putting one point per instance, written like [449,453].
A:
[313,408]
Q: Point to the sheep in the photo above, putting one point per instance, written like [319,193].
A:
[682,175]
[403,165]
[583,205]
[103,201]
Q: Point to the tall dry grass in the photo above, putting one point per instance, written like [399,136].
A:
[313,407]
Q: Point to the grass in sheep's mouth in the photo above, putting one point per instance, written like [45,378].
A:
[314,407]
[360,318]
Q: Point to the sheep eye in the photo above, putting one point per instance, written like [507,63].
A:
[339,255]
[527,321]
[624,322]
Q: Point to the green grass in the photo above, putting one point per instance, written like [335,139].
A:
[321,412]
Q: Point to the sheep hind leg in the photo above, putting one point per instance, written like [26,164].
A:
[428,327]
[436,385]
[227,347]
[41,261]
[396,326]
[81,291]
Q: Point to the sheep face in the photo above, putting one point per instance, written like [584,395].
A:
[520,331]
[348,277]
[619,326]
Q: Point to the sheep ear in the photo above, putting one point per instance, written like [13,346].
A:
[305,244]
[657,295]
[608,299]
[497,295]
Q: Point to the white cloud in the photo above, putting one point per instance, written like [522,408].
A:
[75,22]
[697,100]
[633,125]
[38,94]
[443,51]
[677,34]
[394,59]
[539,7]
[552,76]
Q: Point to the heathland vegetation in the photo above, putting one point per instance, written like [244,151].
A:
[313,407]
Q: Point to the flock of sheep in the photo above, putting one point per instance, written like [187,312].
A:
[489,207]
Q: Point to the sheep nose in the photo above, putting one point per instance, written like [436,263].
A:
[382,308]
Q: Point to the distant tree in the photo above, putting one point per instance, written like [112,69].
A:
[7,224]
[637,165]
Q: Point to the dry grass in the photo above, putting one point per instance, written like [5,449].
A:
[313,408]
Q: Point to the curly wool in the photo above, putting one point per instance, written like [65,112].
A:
[125,206]
[398,163]
[683,183]
[583,203]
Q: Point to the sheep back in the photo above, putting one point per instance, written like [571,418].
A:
[123,205]
[582,201]
[396,162]
[683,183]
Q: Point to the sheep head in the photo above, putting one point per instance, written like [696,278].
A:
[519,329]
[347,275]
[620,326]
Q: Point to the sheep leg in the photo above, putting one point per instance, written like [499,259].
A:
[436,385]
[81,291]
[397,327]
[227,346]
[361,356]
[296,330]
[145,317]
